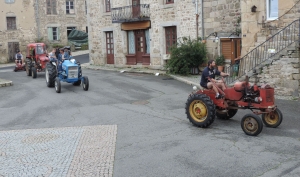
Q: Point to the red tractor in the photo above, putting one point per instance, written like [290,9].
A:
[36,59]
[202,107]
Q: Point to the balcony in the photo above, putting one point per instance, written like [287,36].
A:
[133,13]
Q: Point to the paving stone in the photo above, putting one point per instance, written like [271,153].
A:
[72,151]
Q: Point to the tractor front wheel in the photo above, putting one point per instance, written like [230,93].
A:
[85,83]
[272,119]
[200,110]
[33,72]
[226,115]
[57,85]
[251,124]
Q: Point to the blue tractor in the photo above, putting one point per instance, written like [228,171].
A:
[71,73]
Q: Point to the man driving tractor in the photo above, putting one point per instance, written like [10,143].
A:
[209,72]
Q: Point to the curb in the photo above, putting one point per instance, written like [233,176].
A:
[5,83]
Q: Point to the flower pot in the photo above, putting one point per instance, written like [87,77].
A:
[220,68]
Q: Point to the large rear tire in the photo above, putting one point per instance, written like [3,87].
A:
[50,74]
[200,110]
[251,124]
[33,72]
[226,115]
[85,83]
[57,85]
[272,119]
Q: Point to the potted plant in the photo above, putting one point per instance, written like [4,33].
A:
[220,61]
[186,56]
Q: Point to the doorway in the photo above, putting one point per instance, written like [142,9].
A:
[110,47]
[231,48]
[136,8]
[12,50]
[140,44]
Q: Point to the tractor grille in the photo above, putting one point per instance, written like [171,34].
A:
[73,72]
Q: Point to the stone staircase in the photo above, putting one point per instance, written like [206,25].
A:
[274,60]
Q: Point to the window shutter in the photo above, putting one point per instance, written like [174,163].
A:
[50,34]
[58,34]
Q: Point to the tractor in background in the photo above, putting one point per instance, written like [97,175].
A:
[36,59]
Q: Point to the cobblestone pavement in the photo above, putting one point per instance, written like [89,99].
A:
[58,152]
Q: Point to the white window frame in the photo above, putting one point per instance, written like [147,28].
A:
[71,11]
[268,11]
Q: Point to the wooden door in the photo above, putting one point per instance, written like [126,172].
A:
[110,47]
[136,8]
[12,50]
[140,44]
[231,48]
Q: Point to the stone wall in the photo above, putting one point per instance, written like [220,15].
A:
[25,32]
[219,16]
[61,20]
[283,75]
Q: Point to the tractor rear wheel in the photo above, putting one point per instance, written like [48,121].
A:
[226,115]
[251,124]
[200,110]
[33,72]
[28,69]
[57,85]
[50,74]
[272,119]
[85,83]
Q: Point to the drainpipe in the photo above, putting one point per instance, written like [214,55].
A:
[202,20]
[197,18]
[37,18]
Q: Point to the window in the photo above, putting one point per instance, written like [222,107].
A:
[272,9]
[53,33]
[51,7]
[70,7]
[171,37]
[169,1]
[69,30]
[107,5]
[9,1]
[11,23]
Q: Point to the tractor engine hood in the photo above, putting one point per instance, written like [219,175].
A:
[69,63]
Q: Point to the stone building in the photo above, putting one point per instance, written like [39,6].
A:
[137,33]
[17,27]
[48,21]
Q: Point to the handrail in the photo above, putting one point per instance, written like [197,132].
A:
[260,54]
[137,12]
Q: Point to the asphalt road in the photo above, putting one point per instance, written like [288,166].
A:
[154,137]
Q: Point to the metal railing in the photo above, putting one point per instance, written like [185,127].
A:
[139,12]
[264,53]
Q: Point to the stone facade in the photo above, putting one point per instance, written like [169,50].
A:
[62,20]
[219,16]
[32,23]
[25,30]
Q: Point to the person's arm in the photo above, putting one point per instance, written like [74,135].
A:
[224,74]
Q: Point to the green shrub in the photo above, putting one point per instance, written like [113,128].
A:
[186,54]
[220,61]
[57,45]
[84,46]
